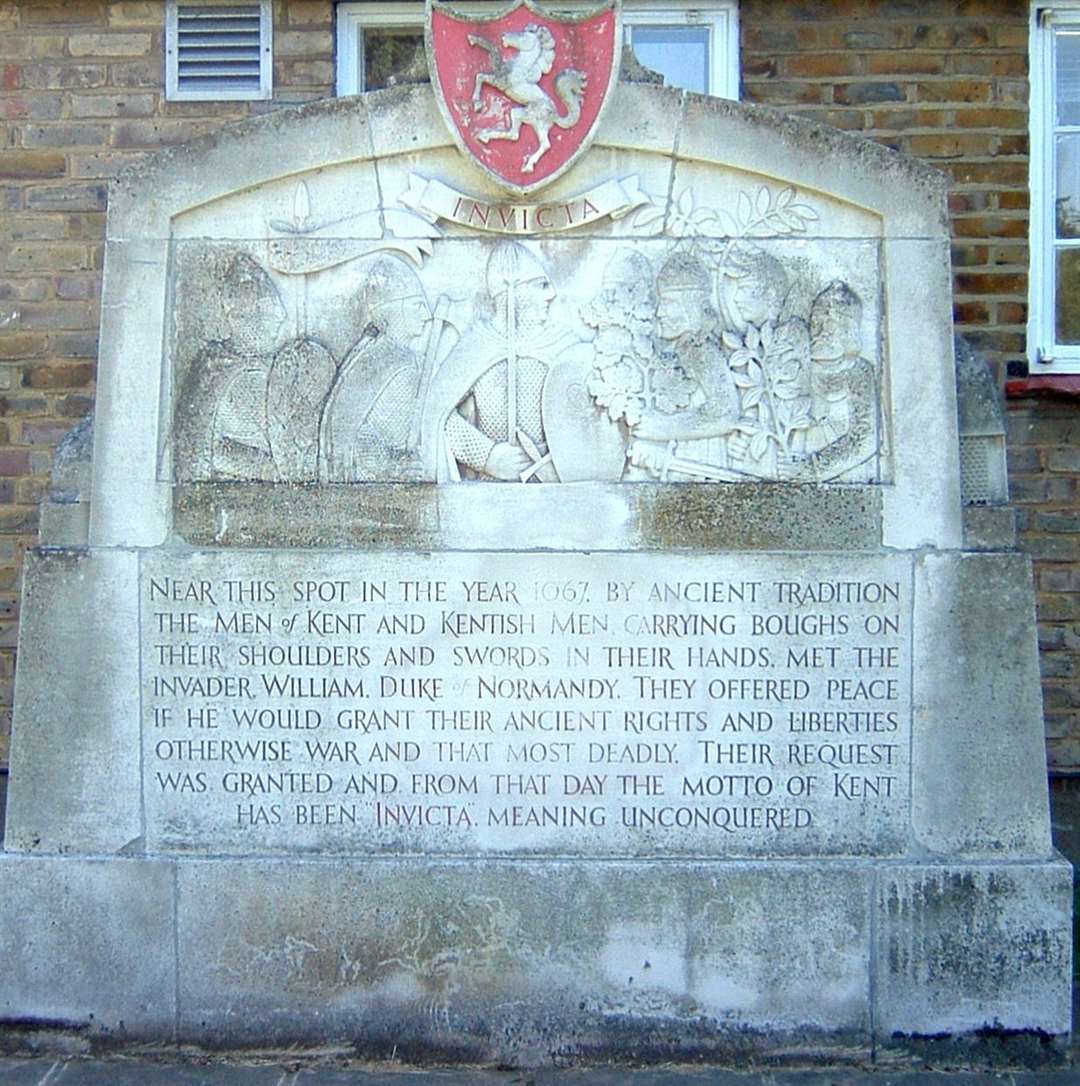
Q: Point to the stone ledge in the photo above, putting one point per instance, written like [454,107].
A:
[534,962]
[508,516]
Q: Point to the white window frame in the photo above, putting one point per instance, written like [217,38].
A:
[1045,355]
[721,15]
[173,93]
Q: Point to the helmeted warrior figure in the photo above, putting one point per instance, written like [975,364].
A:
[694,404]
[753,285]
[485,415]
[842,438]
[369,426]
[220,429]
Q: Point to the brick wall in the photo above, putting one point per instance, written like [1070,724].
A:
[947,80]
[81,94]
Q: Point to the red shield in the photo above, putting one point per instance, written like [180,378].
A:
[523,90]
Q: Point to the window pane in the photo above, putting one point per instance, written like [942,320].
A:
[1068,296]
[1067,64]
[1067,193]
[679,53]
[392,57]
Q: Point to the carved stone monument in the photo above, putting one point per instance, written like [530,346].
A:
[523,612]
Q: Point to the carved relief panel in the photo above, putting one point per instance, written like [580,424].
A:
[610,337]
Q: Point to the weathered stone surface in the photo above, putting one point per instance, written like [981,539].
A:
[74,755]
[530,963]
[128,503]
[989,527]
[227,431]
[967,705]
[523,963]
[951,935]
[87,946]
[574,516]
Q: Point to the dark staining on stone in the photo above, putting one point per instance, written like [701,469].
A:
[371,515]
[758,516]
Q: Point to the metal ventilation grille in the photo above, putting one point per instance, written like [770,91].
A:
[976,486]
[219,49]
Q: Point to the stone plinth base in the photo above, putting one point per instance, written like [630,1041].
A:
[533,962]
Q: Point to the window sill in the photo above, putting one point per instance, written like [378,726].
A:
[1053,386]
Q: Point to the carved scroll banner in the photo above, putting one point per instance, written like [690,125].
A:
[434,200]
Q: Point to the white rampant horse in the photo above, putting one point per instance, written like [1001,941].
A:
[518,77]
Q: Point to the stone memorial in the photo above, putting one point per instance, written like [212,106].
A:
[517,607]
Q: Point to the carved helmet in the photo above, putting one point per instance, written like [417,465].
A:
[509,264]
[627,268]
[251,305]
[683,271]
[755,282]
[390,280]
[835,318]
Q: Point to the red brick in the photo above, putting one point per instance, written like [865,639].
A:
[988,283]
[74,407]
[310,13]
[966,255]
[768,39]
[897,120]
[65,135]
[58,375]
[158,133]
[856,94]
[948,145]
[986,227]
[763,67]
[113,105]
[1011,313]
[990,64]
[991,118]
[817,65]
[62,12]
[971,312]
[788,94]
[992,173]
[10,77]
[997,9]
[14,461]
[15,345]
[905,64]
[85,197]
[45,257]
[968,90]
[972,37]
[64,77]
[1011,145]
[29,164]
[76,287]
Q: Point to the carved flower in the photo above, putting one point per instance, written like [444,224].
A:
[672,389]
[617,388]
[612,342]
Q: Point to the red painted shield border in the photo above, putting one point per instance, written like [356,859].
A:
[453,79]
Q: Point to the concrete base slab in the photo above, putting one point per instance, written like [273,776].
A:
[530,963]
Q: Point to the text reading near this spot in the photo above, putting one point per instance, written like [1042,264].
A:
[561,704]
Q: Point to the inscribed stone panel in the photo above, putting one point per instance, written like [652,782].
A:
[554,704]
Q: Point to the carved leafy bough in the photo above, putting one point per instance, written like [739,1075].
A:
[720,362]
[768,213]
[746,377]
[765,365]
